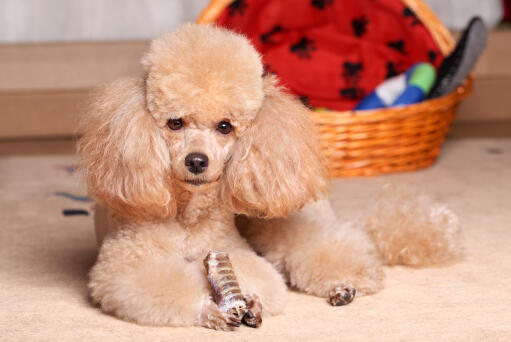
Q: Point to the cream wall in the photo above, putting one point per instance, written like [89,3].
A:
[85,20]
[457,13]
[23,21]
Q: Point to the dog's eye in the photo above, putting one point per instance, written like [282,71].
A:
[175,124]
[224,127]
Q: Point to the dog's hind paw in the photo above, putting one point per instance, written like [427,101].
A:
[341,294]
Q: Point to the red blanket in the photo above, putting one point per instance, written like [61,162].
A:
[332,53]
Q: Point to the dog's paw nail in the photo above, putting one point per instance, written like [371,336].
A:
[342,295]
[251,320]
[253,316]
[249,315]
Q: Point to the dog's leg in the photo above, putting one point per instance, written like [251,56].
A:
[138,278]
[318,254]
[259,280]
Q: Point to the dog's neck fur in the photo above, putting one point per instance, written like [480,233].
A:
[193,207]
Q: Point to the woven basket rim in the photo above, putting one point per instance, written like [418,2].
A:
[391,113]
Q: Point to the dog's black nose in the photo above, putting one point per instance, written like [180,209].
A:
[196,162]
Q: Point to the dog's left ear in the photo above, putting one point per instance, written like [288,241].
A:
[276,166]
[124,156]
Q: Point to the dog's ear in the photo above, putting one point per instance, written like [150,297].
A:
[124,155]
[276,166]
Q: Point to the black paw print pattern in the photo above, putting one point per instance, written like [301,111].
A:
[321,4]
[351,71]
[432,55]
[303,47]
[409,14]
[359,25]
[351,74]
[238,7]
[267,38]
[398,45]
[352,93]
[393,69]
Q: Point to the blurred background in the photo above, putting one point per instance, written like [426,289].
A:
[53,52]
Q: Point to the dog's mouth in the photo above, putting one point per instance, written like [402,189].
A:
[199,182]
[196,181]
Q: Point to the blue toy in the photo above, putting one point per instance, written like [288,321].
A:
[405,89]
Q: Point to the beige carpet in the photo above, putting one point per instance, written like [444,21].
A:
[45,256]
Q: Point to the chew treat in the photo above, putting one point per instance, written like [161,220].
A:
[225,285]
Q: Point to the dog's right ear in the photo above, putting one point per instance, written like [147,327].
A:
[124,155]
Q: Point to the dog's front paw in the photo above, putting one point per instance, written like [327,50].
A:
[214,318]
[341,294]
[253,317]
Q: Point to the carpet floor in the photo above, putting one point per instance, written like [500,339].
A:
[45,257]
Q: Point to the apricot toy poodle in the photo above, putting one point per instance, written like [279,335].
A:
[172,157]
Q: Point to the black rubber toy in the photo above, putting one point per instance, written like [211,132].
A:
[458,65]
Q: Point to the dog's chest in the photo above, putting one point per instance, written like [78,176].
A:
[207,235]
[207,226]
[196,208]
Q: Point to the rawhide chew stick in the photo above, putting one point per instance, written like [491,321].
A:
[225,285]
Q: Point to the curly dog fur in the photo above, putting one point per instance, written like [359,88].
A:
[156,219]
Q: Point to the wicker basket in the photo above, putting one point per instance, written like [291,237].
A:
[386,140]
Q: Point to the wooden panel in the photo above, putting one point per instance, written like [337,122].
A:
[40,113]
[68,66]
[490,100]
[480,129]
[496,57]
[18,147]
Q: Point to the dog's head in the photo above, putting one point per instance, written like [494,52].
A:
[204,116]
